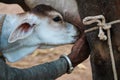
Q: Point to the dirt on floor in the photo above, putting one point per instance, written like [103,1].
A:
[81,72]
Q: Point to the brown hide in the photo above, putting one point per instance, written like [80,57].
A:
[100,58]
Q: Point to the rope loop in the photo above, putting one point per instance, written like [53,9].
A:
[102,25]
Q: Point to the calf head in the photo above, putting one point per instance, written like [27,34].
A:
[68,8]
[42,26]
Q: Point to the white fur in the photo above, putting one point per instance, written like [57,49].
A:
[45,33]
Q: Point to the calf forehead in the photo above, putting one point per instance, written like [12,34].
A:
[43,10]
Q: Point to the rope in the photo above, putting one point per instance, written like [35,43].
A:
[102,25]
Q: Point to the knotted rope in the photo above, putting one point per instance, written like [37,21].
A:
[102,25]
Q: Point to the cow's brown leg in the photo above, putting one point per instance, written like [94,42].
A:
[100,59]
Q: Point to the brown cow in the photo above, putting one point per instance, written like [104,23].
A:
[100,57]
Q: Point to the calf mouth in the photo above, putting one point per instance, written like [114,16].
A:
[79,34]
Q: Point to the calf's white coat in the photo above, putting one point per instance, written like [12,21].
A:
[16,43]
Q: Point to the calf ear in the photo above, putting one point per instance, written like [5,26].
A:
[21,32]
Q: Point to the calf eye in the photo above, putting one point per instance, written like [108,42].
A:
[57,19]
